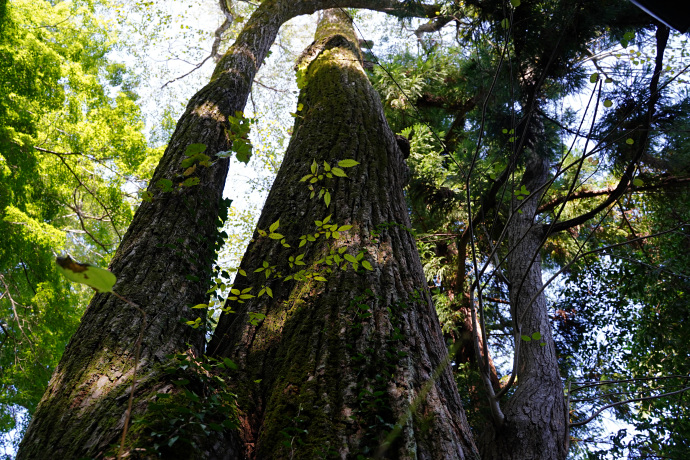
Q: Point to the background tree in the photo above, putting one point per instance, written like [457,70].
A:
[71,144]
[467,111]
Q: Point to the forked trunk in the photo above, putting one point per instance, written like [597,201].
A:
[535,414]
[346,357]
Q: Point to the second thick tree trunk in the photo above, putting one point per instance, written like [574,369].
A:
[342,360]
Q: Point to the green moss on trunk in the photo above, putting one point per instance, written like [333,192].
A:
[338,355]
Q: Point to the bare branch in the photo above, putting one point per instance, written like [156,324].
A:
[627,401]
[583,194]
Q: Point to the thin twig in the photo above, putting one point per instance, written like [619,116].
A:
[608,406]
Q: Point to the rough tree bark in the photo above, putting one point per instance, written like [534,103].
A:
[535,414]
[168,244]
[162,264]
[346,362]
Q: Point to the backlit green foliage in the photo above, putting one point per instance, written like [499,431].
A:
[72,153]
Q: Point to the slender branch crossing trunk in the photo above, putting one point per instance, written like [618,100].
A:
[535,414]
[340,360]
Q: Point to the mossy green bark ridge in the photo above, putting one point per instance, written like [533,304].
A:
[338,357]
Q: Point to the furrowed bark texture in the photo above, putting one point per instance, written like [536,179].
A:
[327,367]
[169,243]
[535,414]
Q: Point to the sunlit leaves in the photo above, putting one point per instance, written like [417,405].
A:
[347,163]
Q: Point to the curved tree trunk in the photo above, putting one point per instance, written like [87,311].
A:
[340,360]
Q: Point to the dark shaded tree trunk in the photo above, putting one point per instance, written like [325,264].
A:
[340,361]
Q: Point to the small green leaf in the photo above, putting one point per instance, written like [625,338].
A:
[338,172]
[274,226]
[629,141]
[536,336]
[100,279]
[146,196]
[327,198]
[367,265]
[269,292]
[243,150]
[594,77]
[608,103]
[637,182]
[193,149]
[515,3]
[200,305]
[165,185]
[319,278]
[300,106]
[314,167]
[275,236]
[526,338]
[505,23]
[191,182]
[347,163]
[350,258]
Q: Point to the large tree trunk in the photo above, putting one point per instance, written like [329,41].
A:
[535,415]
[340,361]
[163,263]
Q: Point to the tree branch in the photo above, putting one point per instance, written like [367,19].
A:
[582,194]
[662,34]
[608,406]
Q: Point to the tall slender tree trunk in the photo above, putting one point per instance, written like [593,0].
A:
[535,414]
[340,360]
